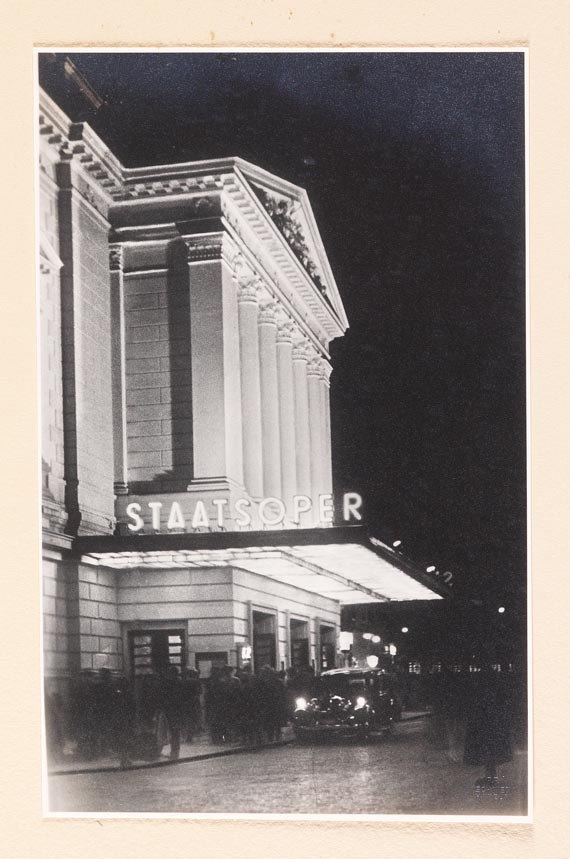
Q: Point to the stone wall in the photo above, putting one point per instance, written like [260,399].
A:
[158,381]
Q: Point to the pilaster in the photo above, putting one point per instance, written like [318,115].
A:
[248,310]
[285,331]
[267,323]
[300,356]
[116,259]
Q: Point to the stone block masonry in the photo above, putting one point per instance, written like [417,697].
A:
[158,380]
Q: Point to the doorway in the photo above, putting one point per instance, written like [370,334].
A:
[299,638]
[264,645]
[154,651]
[327,638]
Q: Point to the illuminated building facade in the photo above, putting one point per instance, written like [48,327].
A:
[186,313]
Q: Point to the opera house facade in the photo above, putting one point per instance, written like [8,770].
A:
[189,515]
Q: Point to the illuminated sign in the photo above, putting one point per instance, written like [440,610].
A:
[270,512]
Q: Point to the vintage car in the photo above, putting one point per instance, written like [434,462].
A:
[349,702]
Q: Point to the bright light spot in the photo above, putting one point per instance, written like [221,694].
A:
[404,629]
[360,701]
[367,635]
[376,639]
[501,609]
[301,704]
[345,640]
[372,661]
[430,569]
[392,650]
[397,543]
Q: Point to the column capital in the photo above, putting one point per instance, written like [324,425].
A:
[116,257]
[268,313]
[301,350]
[248,291]
[314,367]
[327,370]
[285,329]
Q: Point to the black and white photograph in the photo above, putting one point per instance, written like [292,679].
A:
[283,360]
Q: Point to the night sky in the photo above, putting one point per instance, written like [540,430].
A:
[414,164]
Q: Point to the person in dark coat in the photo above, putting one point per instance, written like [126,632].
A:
[488,730]
[192,715]
[273,702]
[173,693]
[249,718]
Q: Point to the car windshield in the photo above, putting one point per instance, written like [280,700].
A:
[344,685]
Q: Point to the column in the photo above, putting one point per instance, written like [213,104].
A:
[118,370]
[302,432]
[316,431]
[248,309]
[267,324]
[326,370]
[286,411]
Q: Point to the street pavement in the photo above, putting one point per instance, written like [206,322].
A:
[403,774]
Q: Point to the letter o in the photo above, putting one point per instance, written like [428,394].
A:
[271,501]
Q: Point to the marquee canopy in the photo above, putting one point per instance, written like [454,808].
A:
[344,564]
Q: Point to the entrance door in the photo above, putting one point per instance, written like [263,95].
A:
[264,648]
[153,651]
[299,637]
[327,635]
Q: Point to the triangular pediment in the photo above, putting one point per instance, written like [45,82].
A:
[289,209]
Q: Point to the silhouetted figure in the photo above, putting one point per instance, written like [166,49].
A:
[249,718]
[192,709]
[488,733]
[272,702]
[173,706]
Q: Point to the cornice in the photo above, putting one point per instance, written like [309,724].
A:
[105,183]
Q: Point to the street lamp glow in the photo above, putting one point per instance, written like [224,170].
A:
[430,569]
[404,629]
[367,635]
[372,661]
[392,650]
[501,609]
[396,543]
[376,639]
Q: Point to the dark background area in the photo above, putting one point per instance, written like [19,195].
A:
[414,164]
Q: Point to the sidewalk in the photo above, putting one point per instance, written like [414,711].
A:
[201,748]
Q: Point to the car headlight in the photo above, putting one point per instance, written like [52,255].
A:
[301,704]
[360,702]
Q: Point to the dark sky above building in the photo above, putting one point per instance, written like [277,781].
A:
[414,163]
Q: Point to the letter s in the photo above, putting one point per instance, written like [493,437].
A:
[133,511]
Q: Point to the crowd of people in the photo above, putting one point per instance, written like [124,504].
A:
[474,716]
[243,706]
[231,705]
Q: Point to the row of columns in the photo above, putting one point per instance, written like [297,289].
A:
[285,401]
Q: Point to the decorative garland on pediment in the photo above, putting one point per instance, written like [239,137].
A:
[281,212]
